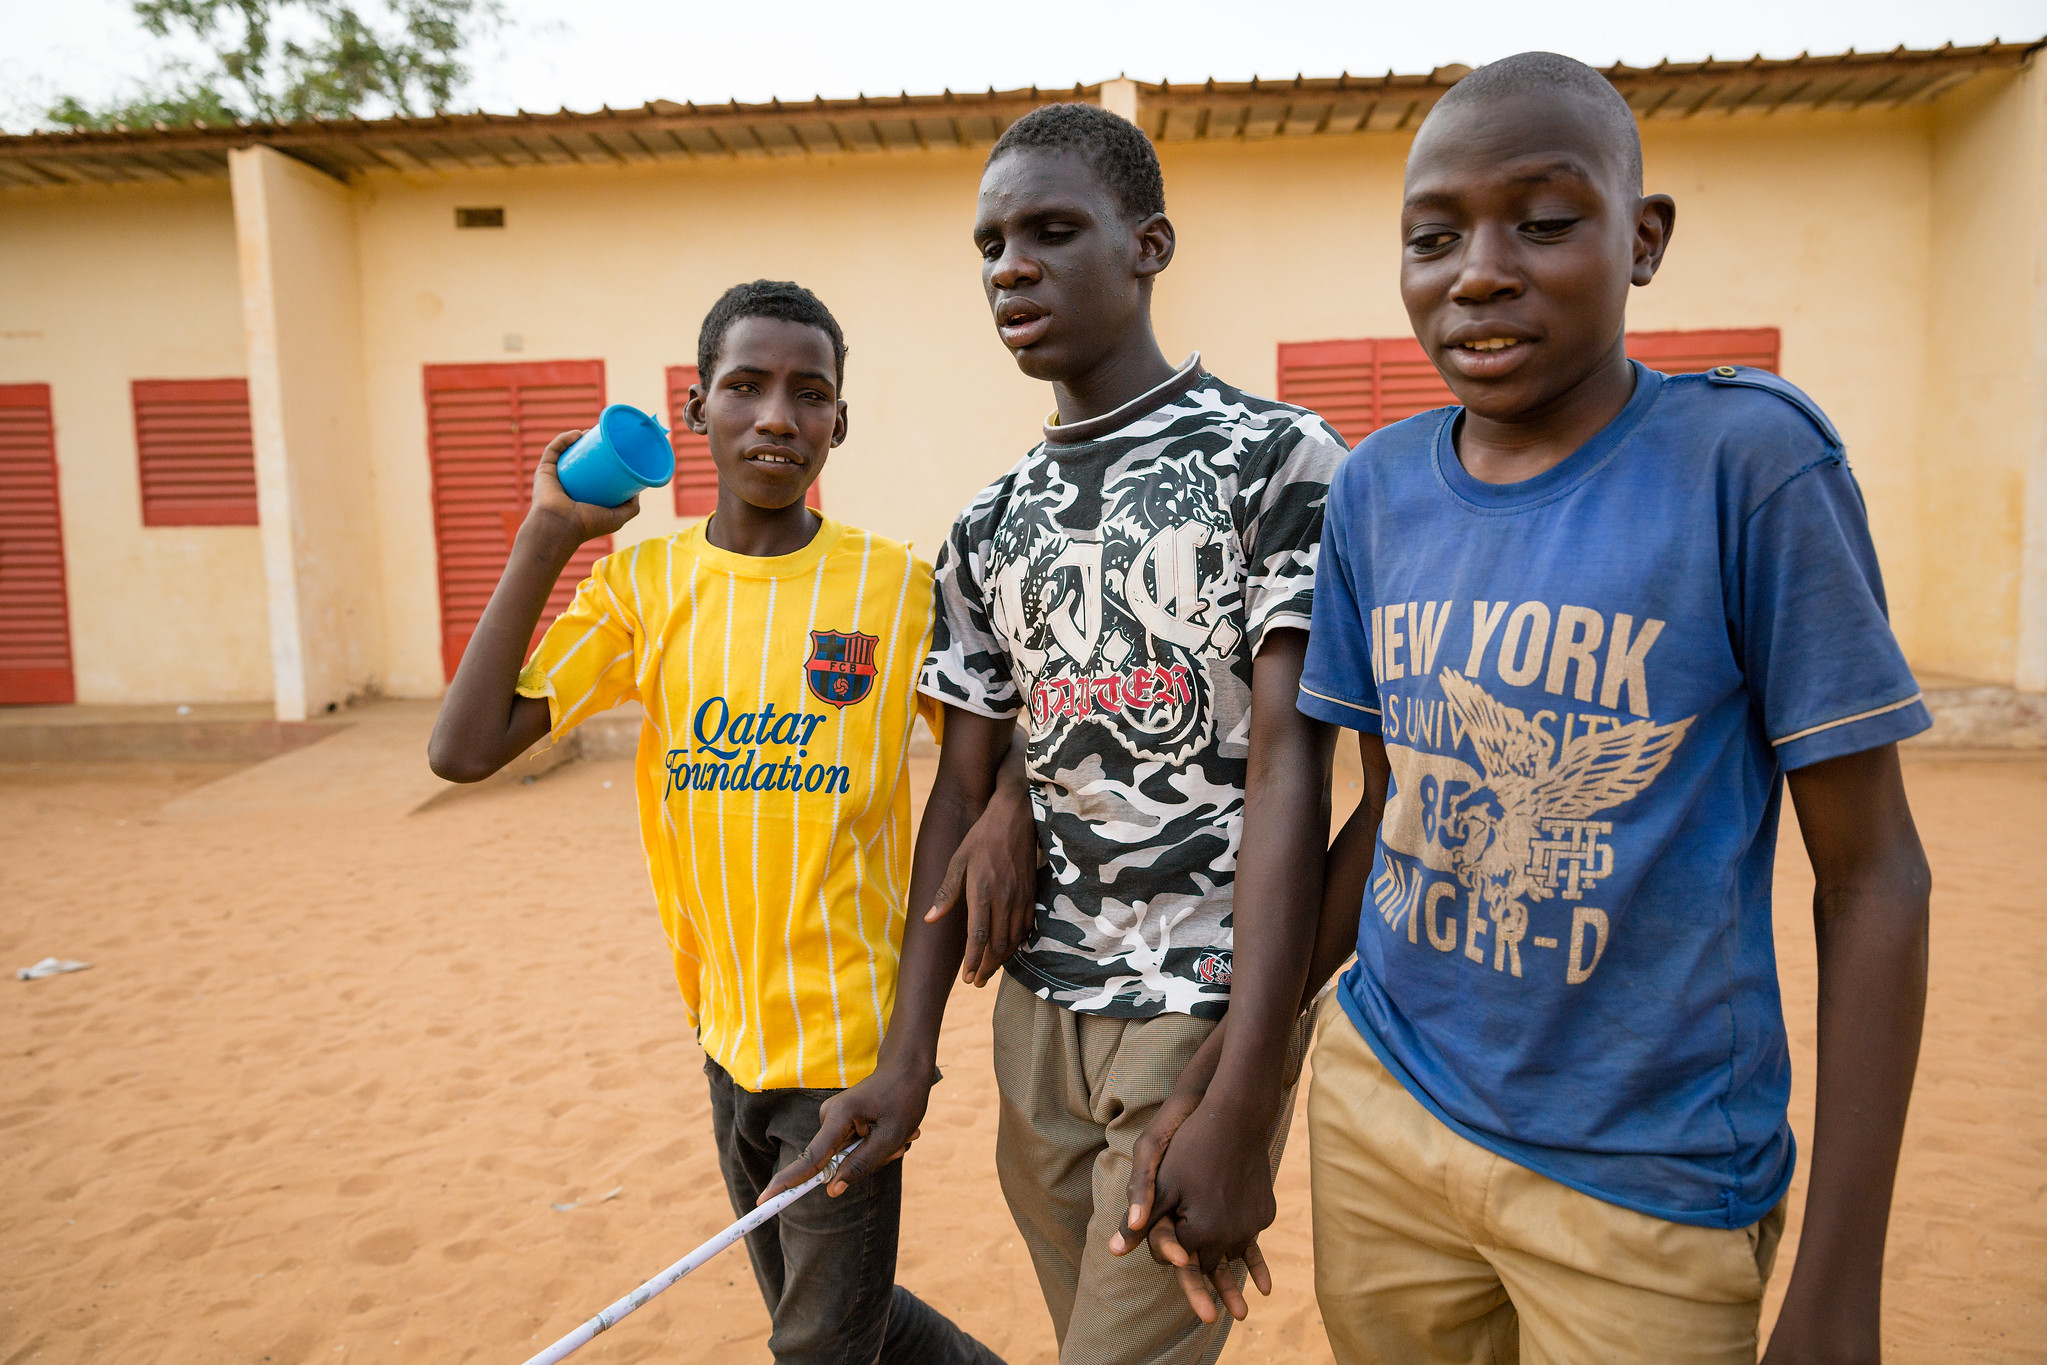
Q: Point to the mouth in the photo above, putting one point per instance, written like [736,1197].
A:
[1487,354]
[774,457]
[1021,323]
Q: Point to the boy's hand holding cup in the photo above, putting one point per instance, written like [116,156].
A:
[588,482]
[559,519]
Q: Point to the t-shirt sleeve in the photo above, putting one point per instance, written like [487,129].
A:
[1823,666]
[969,665]
[1337,682]
[1281,491]
[584,665]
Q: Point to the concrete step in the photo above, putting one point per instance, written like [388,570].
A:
[374,765]
[1973,715]
[231,732]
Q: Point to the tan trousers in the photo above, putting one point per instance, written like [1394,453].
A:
[1429,1248]
[1077,1091]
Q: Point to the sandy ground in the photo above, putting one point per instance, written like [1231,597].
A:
[346,1083]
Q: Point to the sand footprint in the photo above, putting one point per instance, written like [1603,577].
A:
[391,1246]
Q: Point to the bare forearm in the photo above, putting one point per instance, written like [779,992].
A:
[482,725]
[1278,893]
[972,768]
[1013,781]
[1276,920]
[1872,961]
[931,949]
[1344,875]
[1870,909]
[1345,871]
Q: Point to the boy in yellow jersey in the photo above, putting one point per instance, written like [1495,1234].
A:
[775,652]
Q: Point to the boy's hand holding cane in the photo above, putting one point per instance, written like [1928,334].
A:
[882,1111]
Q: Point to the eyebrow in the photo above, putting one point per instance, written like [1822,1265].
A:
[1562,168]
[1038,214]
[743,368]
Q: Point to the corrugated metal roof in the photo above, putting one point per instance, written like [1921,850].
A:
[665,131]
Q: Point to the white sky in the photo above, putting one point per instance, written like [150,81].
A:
[584,53]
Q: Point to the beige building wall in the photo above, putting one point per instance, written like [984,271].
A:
[1817,225]
[99,287]
[1814,224]
[1902,254]
[301,298]
[1983,443]
[620,264]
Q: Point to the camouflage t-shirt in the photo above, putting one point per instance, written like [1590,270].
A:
[1113,588]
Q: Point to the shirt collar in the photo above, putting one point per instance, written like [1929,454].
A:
[1151,400]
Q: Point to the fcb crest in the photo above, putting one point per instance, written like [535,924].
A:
[841,667]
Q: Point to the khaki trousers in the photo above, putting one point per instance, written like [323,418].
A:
[1077,1091]
[1429,1248]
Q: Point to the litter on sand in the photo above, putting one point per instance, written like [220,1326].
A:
[49,966]
[614,1192]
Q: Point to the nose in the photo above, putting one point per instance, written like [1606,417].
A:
[1012,268]
[776,416]
[1488,271]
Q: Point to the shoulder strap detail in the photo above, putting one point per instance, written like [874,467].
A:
[1743,377]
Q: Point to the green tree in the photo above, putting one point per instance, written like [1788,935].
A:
[284,60]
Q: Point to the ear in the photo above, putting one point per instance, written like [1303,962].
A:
[1155,243]
[1655,221]
[839,425]
[693,411]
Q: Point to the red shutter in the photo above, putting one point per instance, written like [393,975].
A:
[1408,382]
[195,452]
[696,477]
[1360,386]
[35,619]
[1691,352]
[486,426]
[1338,379]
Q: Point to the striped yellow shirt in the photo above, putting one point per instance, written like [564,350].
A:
[774,808]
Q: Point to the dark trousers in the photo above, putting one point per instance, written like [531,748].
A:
[826,1267]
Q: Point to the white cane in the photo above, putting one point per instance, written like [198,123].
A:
[582,1336]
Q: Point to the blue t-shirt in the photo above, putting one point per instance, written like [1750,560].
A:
[1589,685]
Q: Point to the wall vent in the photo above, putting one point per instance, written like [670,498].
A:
[479,218]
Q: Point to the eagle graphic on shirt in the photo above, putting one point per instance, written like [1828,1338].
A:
[1519,828]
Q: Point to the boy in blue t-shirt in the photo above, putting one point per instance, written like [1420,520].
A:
[1585,625]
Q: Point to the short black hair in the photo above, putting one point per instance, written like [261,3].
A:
[1550,72]
[780,299]
[1115,149]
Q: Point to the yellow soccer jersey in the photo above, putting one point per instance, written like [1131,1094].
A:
[774,807]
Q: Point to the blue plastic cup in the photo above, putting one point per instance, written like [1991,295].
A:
[624,452]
